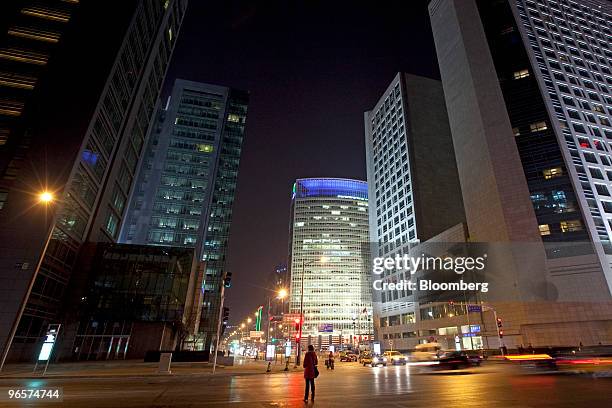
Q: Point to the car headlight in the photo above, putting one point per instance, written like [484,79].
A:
[384,359]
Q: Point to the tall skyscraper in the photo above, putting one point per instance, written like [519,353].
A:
[330,279]
[187,181]
[75,129]
[412,176]
[527,91]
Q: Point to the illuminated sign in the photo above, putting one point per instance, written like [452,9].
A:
[270,350]
[50,338]
[376,348]
[326,328]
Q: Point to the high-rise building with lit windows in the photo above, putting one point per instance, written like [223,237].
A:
[187,181]
[544,70]
[79,83]
[412,178]
[527,88]
[329,268]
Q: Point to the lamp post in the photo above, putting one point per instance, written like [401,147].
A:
[45,198]
[281,294]
[304,265]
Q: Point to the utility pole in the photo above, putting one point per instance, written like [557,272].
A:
[225,283]
[268,331]
[299,342]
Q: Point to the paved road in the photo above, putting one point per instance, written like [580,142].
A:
[350,385]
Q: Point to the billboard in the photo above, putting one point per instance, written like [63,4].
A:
[326,328]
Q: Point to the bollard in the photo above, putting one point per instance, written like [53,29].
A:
[165,359]
[269,367]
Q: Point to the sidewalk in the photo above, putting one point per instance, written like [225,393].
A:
[137,368]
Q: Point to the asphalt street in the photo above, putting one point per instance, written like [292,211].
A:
[349,385]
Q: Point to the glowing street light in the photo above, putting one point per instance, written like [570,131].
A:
[45,197]
[282,293]
[242,325]
[249,320]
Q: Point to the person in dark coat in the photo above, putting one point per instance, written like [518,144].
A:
[310,362]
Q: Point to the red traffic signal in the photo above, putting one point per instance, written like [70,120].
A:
[499,322]
[501,334]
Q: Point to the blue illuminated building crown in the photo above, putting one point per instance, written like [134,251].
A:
[330,187]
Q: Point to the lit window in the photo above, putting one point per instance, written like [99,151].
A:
[538,126]
[206,148]
[551,173]
[544,229]
[170,33]
[35,34]
[3,198]
[46,13]
[516,131]
[524,73]
[111,224]
[4,134]
[571,226]
[232,117]
[19,55]
[299,224]
[166,4]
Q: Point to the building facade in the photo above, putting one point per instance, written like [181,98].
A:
[84,151]
[187,181]
[329,266]
[412,178]
[132,299]
[526,86]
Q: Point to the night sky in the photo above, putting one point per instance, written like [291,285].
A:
[312,69]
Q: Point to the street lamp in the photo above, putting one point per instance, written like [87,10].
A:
[322,260]
[46,197]
[249,320]
[280,295]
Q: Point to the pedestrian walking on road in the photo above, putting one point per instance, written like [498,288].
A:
[330,360]
[310,372]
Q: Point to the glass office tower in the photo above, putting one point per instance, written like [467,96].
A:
[527,92]
[329,265]
[76,131]
[187,181]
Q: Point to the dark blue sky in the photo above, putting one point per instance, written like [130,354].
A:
[312,68]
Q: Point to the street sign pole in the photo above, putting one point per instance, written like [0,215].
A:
[219,328]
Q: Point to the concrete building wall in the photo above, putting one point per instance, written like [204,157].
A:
[495,193]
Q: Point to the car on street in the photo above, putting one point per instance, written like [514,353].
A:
[453,360]
[348,356]
[426,352]
[373,360]
[362,355]
[395,357]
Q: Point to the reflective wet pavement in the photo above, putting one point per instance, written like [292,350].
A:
[350,385]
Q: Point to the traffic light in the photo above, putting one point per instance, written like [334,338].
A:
[224,319]
[501,334]
[499,322]
[227,279]
[297,324]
